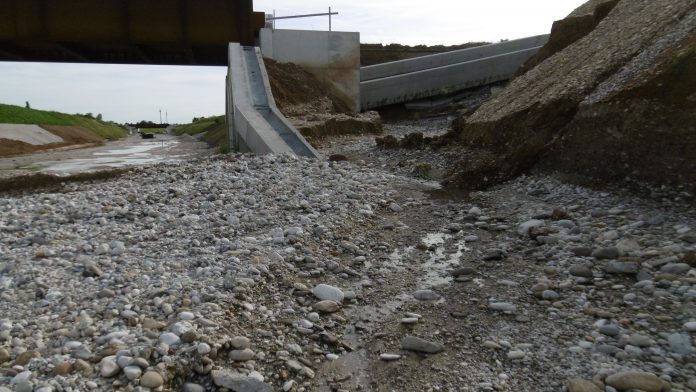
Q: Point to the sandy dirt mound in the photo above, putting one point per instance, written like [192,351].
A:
[311,108]
[618,102]
[13,147]
[73,134]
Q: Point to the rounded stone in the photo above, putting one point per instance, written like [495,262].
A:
[203,348]
[326,292]
[690,326]
[169,338]
[240,342]
[186,316]
[414,343]
[242,355]
[550,295]
[515,354]
[624,381]
[389,357]
[426,295]
[63,368]
[151,380]
[327,306]
[579,385]
[132,372]
[109,367]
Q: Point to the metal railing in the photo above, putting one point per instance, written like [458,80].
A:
[274,17]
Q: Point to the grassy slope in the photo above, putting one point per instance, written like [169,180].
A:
[216,134]
[10,114]
[199,126]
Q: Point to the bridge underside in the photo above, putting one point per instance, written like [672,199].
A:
[165,32]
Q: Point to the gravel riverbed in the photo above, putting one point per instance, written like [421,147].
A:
[270,273]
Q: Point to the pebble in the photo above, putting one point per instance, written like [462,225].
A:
[192,387]
[242,355]
[680,344]
[675,268]
[239,382]
[326,292]
[63,368]
[414,343]
[151,380]
[581,271]
[169,338]
[606,253]
[579,385]
[203,348]
[624,381]
[610,329]
[132,372]
[640,340]
[515,354]
[21,377]
[689,326]
[463,271]
[426,295]
[524,228]
[389,357]
[620,267]
[327,306]
[186,316]
[503,306]
[549,295]
[240,342]
[109,367]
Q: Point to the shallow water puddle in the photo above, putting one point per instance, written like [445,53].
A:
[143,153]
[436,268]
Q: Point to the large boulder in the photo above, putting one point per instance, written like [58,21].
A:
[613,95]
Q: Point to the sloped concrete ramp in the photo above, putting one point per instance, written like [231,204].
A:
[254,123]
[444,73]
[30,134]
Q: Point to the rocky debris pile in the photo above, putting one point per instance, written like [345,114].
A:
[220,272]
[311,106]
[424,158]
[613,97]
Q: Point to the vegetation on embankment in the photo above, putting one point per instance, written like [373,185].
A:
[213,127]
[199,125]
[10,114]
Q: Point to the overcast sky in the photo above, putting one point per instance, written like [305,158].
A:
[128,93]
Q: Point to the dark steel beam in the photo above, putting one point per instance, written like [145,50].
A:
[185,32]
[76,54]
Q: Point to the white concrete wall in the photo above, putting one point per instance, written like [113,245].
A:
[332,56]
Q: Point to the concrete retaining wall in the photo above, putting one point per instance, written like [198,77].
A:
[30,134]
[332,56]
[441,80]
[454,57]
[254,123]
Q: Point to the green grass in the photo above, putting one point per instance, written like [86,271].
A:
[199,126]
[214,128]
[10,114]
[216,135]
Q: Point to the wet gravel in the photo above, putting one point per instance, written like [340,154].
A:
[269,273]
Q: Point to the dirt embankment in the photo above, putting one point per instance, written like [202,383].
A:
[71,135]
[371,54]
[617,102]
[312,108]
